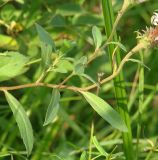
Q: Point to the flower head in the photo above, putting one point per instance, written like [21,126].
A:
[154,19]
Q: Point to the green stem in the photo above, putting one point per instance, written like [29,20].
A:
[119,85]
[33,61]
[90,143]
[141,100]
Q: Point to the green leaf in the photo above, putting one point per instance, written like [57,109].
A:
[22,121]
[12,64]
[69,9]
[105,111]
[47,45]
[58,21]
[8,12]
[63,66]
[80,65]
[99,147]
[46,53]
[119,44]
[44,36]
[139,62]
[84,156]
[89,78]
[87,19]
[53,107]
[97,37]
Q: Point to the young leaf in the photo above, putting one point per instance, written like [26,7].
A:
[80,65]
[22,121]
[53,107]
[105,111]
[44,36]
[97,37]
[12,64]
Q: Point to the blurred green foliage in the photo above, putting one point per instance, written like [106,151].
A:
[69,23]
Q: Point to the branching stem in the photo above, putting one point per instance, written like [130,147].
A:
[78,89]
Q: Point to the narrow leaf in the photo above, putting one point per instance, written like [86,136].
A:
[44,36]
[119,44]
[53,107]
[89,78]
[99,147]
[84,156]
[97,37]
[105,111]
[22,121]
[139,62]
[46,52]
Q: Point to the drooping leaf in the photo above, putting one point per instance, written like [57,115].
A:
[139,62]
[97,37]
[22,121]
[12,64]
[105,111]
[84,156]
[53,107]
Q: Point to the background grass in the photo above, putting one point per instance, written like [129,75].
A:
[69,23]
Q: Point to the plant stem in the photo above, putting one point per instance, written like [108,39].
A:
[78,89]
[90,143]
[33,61]
[141,100]
[66,79]
[120,92]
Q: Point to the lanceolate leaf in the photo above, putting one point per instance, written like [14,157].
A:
[97,37]
[53,107]
[44,36]
[46,52]
[47,46]
[22,121]
[105,111]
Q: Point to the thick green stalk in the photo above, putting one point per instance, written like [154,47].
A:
[120,92]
